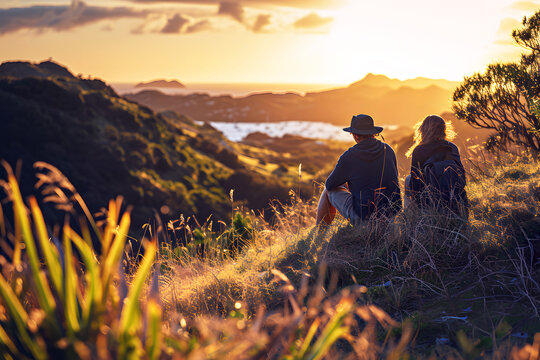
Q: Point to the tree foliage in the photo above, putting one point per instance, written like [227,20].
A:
[506,97]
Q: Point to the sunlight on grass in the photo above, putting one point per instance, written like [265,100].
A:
[290,290]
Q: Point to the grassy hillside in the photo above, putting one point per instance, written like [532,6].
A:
[467,289]
[109,146]
[425,284]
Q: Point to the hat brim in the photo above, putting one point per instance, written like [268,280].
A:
[375,130]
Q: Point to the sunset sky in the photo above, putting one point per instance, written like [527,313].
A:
[274,41]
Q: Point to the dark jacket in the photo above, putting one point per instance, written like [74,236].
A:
[370,170]
[420,155]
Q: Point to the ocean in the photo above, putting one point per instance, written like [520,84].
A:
[236,131]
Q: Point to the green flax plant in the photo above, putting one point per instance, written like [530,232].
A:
[62,300]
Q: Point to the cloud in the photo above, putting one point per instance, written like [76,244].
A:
[175,24]
[312,20]
[507,25]
[233,9]
[199,26]
[261,22]
[302,4]
[504,33]
[107,27]
[79,13]
[526,5]
[61,17]
[236,11]
[180,24]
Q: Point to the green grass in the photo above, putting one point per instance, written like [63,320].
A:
[425,283]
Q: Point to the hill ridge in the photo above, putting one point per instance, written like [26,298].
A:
[109,146]
[387,104]
[44,69]
[417,82]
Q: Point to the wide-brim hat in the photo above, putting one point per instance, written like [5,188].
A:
[363,125]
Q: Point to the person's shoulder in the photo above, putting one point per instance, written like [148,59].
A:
[388,147]
[419,149]
[348,153]
[350,150]
[453,146]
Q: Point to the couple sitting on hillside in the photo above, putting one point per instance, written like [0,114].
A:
[365,179]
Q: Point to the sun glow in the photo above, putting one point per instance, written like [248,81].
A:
[400,39]
[416,38]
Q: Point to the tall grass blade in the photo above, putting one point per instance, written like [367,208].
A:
[70,292]
[115,253]
[49,252]
[45,297]
[87,213]
[153,336]
[17,245]
[309,336]
[2,223]
[20,318]
[6,342]
[15,308]
[109,227]
[94,290]
[129,316]
[332,332]
[132,300]
[85,232]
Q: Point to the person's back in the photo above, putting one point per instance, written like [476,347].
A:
[437,174]
[365,179]
[369,168]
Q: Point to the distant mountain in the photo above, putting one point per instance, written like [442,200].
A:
[109,146]
[417,83]
[376,95]
[174,84]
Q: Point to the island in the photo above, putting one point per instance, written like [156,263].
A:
[161,84]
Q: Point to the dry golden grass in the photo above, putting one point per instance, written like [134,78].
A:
[415,265]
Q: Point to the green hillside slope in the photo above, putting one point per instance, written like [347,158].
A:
[109,146]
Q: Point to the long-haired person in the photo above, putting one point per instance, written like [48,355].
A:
[364,180]
[437,174]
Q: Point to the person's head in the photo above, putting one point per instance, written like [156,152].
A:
[432,128]
[362,128]
[359,138]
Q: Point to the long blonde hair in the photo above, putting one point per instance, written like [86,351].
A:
[432,128]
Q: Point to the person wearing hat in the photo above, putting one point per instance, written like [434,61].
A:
[365,179]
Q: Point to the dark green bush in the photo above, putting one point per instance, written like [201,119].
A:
[238,236]
[516,174]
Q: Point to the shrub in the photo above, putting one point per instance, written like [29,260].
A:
[237,237]
[505,98]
